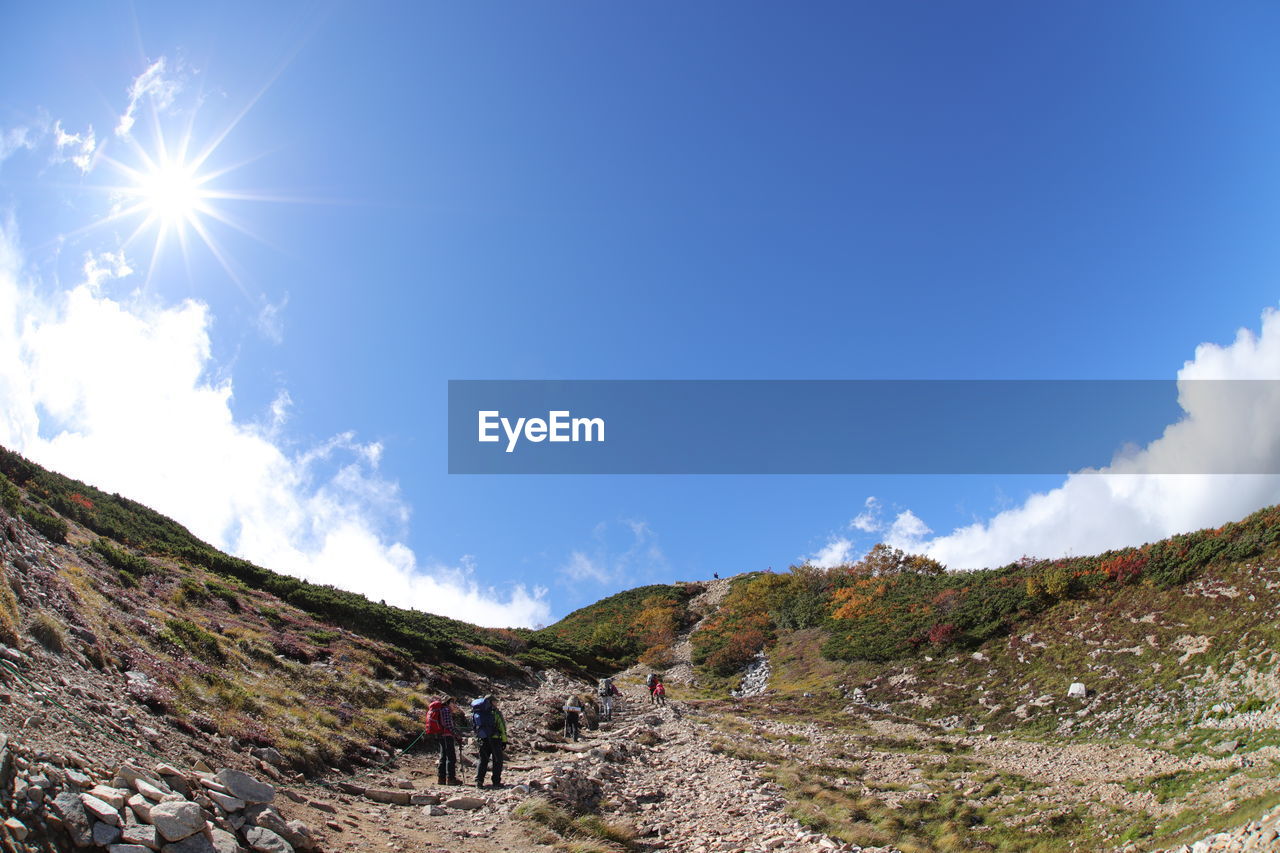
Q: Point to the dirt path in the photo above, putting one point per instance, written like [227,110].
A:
[650,768]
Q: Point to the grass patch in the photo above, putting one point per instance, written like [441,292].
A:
[48,632]
[580,834]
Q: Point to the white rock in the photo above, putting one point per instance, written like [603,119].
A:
[102,811]
[227,802]
[176,820]
[245,787]
[113,797]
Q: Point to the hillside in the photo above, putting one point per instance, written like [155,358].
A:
[906,708]
[895,663]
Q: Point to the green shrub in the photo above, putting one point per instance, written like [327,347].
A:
[123,561]
[192,638]
[53,528]
[10,497]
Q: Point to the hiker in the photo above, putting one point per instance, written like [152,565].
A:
[659,694]
[491,735]
[572,718]
[442,726]
[607,691]
[649,682]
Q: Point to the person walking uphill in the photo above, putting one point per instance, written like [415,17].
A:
[607,691]
[491,734]
[441,725]
[572,718]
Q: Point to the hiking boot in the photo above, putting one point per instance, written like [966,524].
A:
[455,781]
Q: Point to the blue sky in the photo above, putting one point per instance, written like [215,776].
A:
[424,192]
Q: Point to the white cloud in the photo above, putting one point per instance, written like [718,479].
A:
[1134,500]
[78,148]
[271,322]
[103,267]
[837,552]
[15,139]
[625,550]
[121,394]
[153,84]
[581,567]
[907,532]
[868,521]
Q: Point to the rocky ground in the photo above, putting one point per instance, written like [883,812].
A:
[87,759]
[692,777]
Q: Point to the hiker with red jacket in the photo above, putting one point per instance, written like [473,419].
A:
[441,725]
[659,693]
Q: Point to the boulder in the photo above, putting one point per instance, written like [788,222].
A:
[389,795]
[68,808]
[16,828]
[100,810]
[177,820]
[464,803]
[245,787]
[300,836]
[1077,690]
[141,833]
[227,802]
[141,807]
[224,842]
[113,797]
[105,833]
[265,841]
[80,780]
[154,793]
[268,754]
[198,843]
[129,774]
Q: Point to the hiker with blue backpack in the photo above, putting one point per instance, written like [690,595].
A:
[441,725]
[491,735]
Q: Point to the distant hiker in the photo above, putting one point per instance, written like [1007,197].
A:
[715,575]
[659,694]
[649,682]
[491,735]
[607,690]
[441,726]
[572,718]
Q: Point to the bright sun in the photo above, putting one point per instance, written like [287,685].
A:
[171,193]
[169,185]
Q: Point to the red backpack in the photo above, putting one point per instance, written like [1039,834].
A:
[435,719]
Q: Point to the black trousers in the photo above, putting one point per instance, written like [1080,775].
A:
[448,767]
[490,747]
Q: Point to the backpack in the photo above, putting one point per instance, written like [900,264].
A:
[435,719]
[482,718]
[605,688]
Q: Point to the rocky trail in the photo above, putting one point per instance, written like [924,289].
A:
[85,756]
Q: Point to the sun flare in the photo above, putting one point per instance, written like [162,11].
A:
[171,193]
[168,191]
